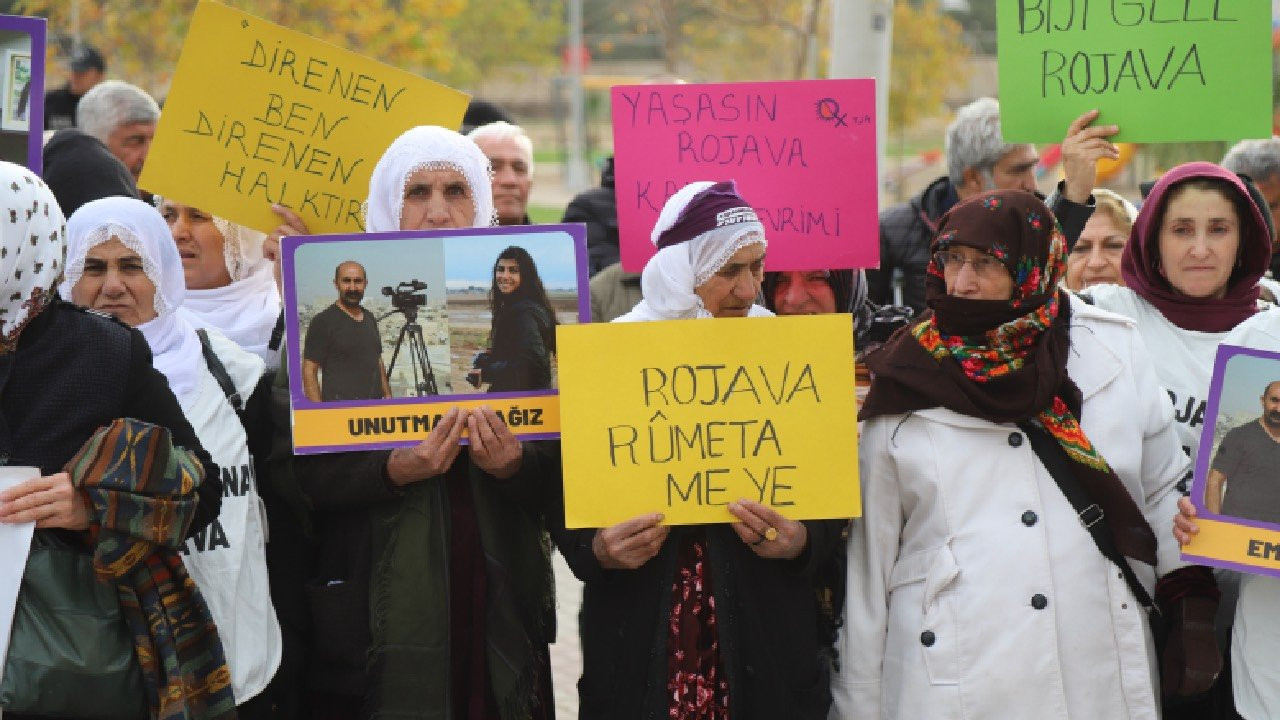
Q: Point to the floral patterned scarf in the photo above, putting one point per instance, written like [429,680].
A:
[1004,360]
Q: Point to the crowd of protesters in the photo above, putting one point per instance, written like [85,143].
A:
[1030,411]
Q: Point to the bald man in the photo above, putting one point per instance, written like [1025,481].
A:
[342,355]
[1246,464]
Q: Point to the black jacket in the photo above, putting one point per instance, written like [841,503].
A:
[520,358]
[78,168]
[906,232]
[767,619]
[60,109]
[334,498]
[74,372]
[598,208]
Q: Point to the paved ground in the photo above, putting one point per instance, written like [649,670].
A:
[566,653]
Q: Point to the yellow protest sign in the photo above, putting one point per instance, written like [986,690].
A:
[683,417]
[1236,546]
[261,114]
[371,426]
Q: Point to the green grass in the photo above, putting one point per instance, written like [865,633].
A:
[557,155]
[540,214]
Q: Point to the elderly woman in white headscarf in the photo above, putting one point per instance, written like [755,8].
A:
[430,178]
[230,284]
[703,621]
[710,259]
[434,577]
[121,260]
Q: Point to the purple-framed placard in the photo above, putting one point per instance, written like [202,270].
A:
[35,27]
[1225,541]
[526,236]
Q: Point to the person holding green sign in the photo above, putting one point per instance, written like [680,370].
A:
[1191,269]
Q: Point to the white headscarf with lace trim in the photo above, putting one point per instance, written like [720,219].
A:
[426,147]
[175,347]
[246,311]
[32,249]
[670,277]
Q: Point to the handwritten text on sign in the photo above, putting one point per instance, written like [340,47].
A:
[260,114]
[1163,70]
[803,153]
[687,416]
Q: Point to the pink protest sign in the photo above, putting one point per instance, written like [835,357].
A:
[803,153]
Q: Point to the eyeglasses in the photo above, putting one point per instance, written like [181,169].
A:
[951,262]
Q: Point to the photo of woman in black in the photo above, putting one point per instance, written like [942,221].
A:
[523,334]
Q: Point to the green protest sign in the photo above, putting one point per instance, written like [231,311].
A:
[1163,70]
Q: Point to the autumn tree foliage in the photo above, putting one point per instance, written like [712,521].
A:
[758,39]
[453,41]
[928,57]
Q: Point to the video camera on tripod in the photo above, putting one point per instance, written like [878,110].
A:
[406,299]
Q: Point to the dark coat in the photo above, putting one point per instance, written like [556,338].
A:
[598,208]
[520,358]
[75,371]
[78,168]
[906,231]
[343,494]
[60,109]
[767,618]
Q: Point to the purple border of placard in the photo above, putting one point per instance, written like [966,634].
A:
[289,246]
[1225,353]
[36,28]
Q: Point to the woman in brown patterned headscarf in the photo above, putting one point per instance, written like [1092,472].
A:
[970,572]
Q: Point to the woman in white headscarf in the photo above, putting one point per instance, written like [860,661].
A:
[64,375]
[230,285]
[430,178]
[703,621]
[122,260]
[433,561]
[682,279]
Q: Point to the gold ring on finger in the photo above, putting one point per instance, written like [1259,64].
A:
[771,534]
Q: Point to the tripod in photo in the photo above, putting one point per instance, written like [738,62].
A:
[406,301]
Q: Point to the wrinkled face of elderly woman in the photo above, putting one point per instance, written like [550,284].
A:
[974,274]
[732,290]
[437,200]
[200,244]
[115,283]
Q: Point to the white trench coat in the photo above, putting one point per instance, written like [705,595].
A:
[973,589]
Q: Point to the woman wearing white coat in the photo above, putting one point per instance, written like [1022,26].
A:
[973,589]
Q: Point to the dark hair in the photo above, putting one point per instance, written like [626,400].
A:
[1243,206]
[530,287]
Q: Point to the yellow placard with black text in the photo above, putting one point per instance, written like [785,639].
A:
[1236,546]
[261,114]
[354,427]
[683,417]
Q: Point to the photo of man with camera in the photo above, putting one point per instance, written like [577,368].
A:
[342,353]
